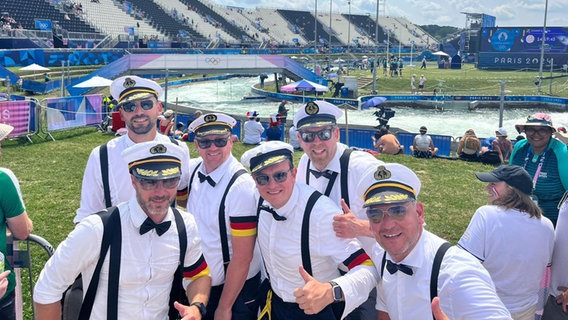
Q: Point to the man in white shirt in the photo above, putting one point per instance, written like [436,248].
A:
[253,129]
[298,244]
[147,233]
[137,100]
[221,198]
[333,169]
[409,266]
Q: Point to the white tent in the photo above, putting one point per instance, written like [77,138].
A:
[34,67]
[440,53]
[95,81]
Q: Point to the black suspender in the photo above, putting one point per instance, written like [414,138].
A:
[178,293]
[112,236]
[103,155]
[305,245]
[222,222]
[344,167]
[435,268]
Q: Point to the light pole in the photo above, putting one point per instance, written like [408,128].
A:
[349,29]
[542,47]
[376,58]
[411,49]
[329,44]
[315,35]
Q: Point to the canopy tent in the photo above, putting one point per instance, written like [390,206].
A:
[95,81]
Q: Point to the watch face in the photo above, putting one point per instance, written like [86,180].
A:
[337,293]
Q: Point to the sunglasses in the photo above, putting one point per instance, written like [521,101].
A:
[539,131]
[264,179]
[376,215]
[131,106]
[310,136]
[148,184]
[206,143]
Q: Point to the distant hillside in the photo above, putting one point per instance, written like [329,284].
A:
[439,32]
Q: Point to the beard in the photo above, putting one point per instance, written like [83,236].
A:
[151,208]
[141,129]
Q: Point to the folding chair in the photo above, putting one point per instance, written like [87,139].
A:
[20,257]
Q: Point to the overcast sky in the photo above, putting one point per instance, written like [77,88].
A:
[444,13]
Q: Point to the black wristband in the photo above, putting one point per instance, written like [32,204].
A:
[201,307]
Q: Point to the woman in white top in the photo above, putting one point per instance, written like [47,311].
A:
[512,239]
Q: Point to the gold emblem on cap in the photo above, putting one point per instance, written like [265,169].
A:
[312,108]
[129,83]
[382,173]
[210,118]
[160,148]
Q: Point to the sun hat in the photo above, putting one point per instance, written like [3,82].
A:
[537,120]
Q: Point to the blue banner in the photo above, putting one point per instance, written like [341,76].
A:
[43,24]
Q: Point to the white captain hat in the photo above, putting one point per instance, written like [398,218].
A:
[388,183]
[212,123]
[154,160]
[267,154]
[130,88]
[317,114]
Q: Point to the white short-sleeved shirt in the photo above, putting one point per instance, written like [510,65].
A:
[464,286]
[92,191]
[280,244]
[148,264]
[559,276]
[359,163]
[253,130]
[204,201]
[294,141]
[514,248]
[422,141]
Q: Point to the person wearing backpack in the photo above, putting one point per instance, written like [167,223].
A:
[418,265]
[153,250]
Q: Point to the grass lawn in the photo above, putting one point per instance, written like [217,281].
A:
[50,174]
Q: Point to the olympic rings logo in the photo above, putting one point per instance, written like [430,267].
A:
[212,60]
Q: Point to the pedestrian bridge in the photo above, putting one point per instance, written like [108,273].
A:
[164,64]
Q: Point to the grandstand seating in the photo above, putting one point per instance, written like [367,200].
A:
[304,20]
[204,22]
[207,12]
[278,27]
[98,13]
[158,18]
[194,19]
[26,12]
[367,24]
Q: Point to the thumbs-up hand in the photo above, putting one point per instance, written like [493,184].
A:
[314,296]
[347,225]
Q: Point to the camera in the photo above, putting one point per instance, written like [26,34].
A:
[384,114]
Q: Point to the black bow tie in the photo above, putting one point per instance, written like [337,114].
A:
[326,173]
[203,177]
[275,215]
[148,225]
[394,267]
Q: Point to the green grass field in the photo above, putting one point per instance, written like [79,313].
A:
[50,174]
